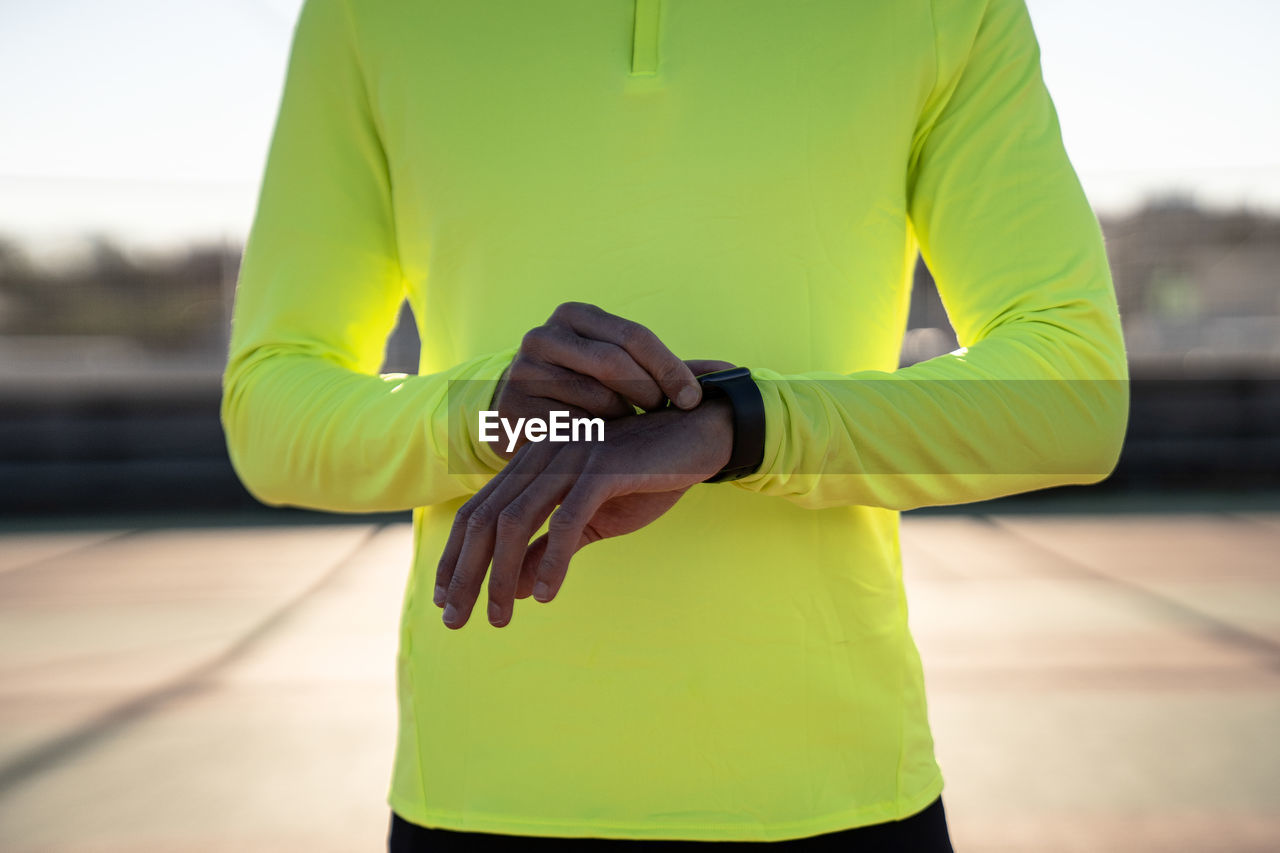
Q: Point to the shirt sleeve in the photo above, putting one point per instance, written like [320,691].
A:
[1037,395]
[308,420]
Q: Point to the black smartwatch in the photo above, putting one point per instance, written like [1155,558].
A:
[737,386]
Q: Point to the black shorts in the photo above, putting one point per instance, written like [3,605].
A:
[923,832]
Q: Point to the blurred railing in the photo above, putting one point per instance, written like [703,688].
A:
[110,364]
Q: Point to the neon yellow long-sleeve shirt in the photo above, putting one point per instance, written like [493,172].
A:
[751,180]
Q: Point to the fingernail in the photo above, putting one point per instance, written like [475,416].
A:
[495,613]
[439,596]
[450,614]
[541,591]
[687,398]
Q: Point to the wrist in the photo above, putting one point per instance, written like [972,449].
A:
[714,419]
[737,388]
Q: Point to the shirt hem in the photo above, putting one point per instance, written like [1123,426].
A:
[789,830]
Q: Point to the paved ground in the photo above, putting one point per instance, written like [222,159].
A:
[1096,683]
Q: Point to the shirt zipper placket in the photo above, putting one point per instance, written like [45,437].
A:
[644,45]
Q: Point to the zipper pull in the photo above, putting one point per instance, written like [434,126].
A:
[644,47]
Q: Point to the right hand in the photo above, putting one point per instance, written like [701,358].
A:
[590,362]
[596,490]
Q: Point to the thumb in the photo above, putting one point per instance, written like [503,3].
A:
[706,365]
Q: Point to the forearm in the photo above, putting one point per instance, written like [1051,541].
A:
[304,431]
[1036,404]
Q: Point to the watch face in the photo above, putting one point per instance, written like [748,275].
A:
[723,375]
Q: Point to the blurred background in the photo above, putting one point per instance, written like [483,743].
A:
[185,669]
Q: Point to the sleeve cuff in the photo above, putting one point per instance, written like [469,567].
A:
[469,395]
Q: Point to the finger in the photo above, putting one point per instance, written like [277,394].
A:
[516,523]
[608,363]
[549,381]
[565,533]
[671,374]
[480,531]
[458,535]
[532,557]
[529,566]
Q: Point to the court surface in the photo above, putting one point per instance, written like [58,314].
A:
[1096,682]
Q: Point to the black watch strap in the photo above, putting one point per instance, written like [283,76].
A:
[736,385]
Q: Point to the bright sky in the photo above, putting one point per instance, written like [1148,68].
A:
[149,119]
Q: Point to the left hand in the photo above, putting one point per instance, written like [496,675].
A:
[644,465]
